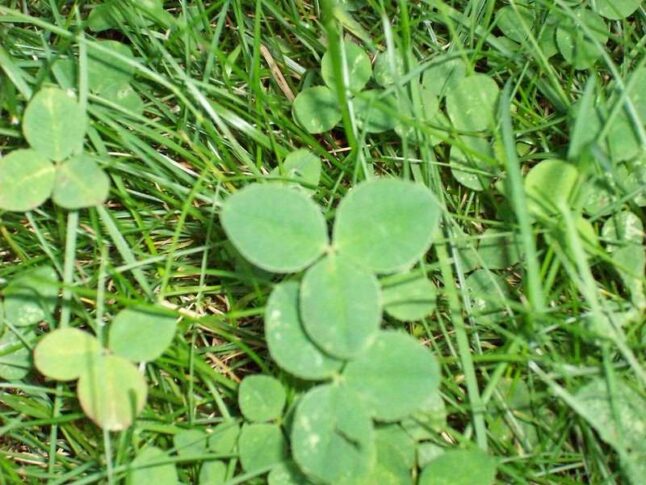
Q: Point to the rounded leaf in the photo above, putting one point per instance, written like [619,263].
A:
[125,96]
[388,69]
[288,343]
[574,45]
[80,182]
[488,292]
[616,9]
[498,249]
[54,124]
[66,353]
[472,104]
[261,445]
[261,398]
[515,21]
[224,438]
[332,436]
[274,227]
[317,109]
[460,467]
[286,473]
[31,296]
[26,180]
[301,166]
[395,365]
[357,64]
[473,169]
[141,334]
[340,306]
[408,297]
[15,357]
[213,473]
[149,467]
[549,186]
[105,71]
[112,393]
[374,111]
[386,225]
[443,75]
[190,442]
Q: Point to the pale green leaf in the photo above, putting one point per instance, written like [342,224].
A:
[550,186]
[395,365]
[287,473]
[80,182]
[332,436]
[54,124]
[499,249]
[473,167]
[213,473]
[261,398]
[106,70]
[274,227]
[66,353]
[190,443]
[340,306]
[15,356]
[374,111]
[125,96]
[574,45]
[409,296]
[224,438]
[26,180]
[488,292]
[460,467]
[30,297]
[443,75]
[301,167]
[386,225]
[317,109]
[112,392]
[471,105]
[261,445]
[515,21]
[148,467]
[616,9]
[357,64]
[142,334]
[288,343]
[388,69]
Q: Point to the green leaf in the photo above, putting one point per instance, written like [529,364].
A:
[473,170]
[261,445]
[472,104]
[409,296]
[224,438]
[26,180]
[66,353]
[357,64]
[213,473]
[488,293]
[429,113]
[515,21]
[190,443]
[618,417]
[388,69]
[112,392]
[261,398]
[274,227]
[332,436]
[142,334]
[460,467]
[386,225]
[395,365]
[549,186]
[54,124]
[499,249]
[105,71]
[30,297]
[395,457]
[444,74]
[623,139]
[125,96]
[374,111]
[302,167]
[637,93]
[15,357]
[144,468]
[574,45]
[103,17]
[547,38]
[340,306]
[430,416]
[616,9]
[286,473]
[80,182]
[317,109]
[288,343]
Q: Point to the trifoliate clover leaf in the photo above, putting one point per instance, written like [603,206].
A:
[550,186]
[31,296]
[66,353]
[317,109]
[472,104]
[261,445]
[261,398]
[80,182]
[357,64]
[26,180]
[460,467]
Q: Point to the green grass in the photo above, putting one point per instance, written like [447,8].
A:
[217,79]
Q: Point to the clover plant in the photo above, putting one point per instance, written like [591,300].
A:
[110,388]
[324,326]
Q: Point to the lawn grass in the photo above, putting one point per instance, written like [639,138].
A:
[218,80]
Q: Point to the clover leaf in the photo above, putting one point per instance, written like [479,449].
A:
[31,296]
[471,105]
[574,45]
[460,467]
[357,63]
[261,445]
[15,356]
[26,180]
[286,473]
[408,296]
[386,225]
[66,353]
[276,228]
[105,71]
[371,115]
[443,75]
[112,392]
[488,292]
[212,472]
[616,9]
[148,467]
[513,21]
[388,70]
[190,443]
[224,438]
[302,167]
[80,182]
[317,109]
[498,249]
[288,343]
[261,398]
[474,168]
[550,186]
[141,334]
[395,365]
[332,436]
